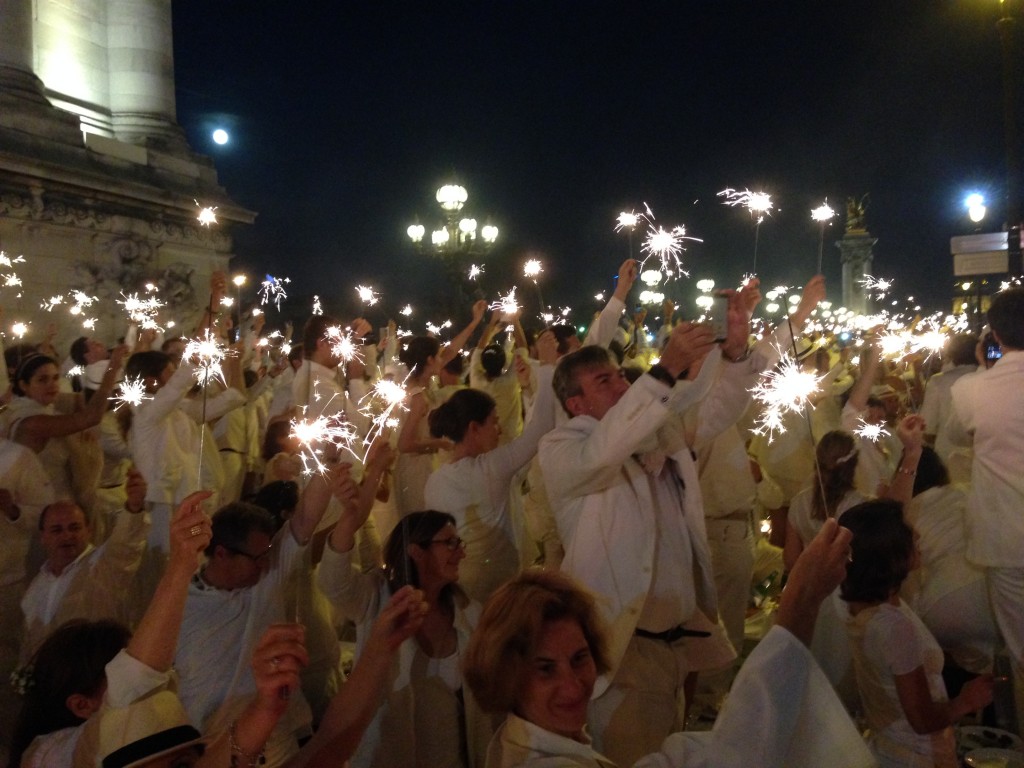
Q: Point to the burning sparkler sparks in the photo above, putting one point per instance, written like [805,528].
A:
[380,406]
[367,295]
[131,392]
[272,289]
[507,304]
[207,214]
[532,268]
[756,203]
[316,436]
[317,308]
[822,213]
[142,312]
[787,389]
[666,246]
[407,310]
[475,271]
[343,344]
[877,285]
[872,432]
[208,353]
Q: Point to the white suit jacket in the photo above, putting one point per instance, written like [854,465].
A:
[602,498]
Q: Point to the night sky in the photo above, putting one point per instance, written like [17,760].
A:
[346,117]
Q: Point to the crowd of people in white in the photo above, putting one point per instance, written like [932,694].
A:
[546,562]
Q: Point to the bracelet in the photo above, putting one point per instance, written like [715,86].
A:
[238,754]
[904,471]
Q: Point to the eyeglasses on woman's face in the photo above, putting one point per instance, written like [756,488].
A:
[452,543]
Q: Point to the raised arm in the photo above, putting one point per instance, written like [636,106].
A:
[156,638]
[448,352]
[602,331]
[911,434]
[314,500]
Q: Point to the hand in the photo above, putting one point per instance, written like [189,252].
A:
[399,620]
[360,327]
[687,344]
[668,309]
[276,663]
[976,694]
[190,531]
[257,323]
[117,357]
[814,293]
[911,432]
[821,566]
[380,454]
[627,276]
[522,371]
[218,289]
[639,317]
[135,489]
[479,307]
[547,347]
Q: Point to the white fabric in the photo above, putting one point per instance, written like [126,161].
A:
[504,389]
[782,712]
[219,632]
[393,739]
[991,405]
[938,406]
[476,491]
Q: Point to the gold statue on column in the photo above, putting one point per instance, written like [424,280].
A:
[855,210]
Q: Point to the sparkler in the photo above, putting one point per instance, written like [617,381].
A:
[381,404]
[367,295]
[872,432]
[475,271]
[787,389]
[507,304]
[272,289]
[131,393]
[759,203]
[666,246]
[877,285]
[19,329]
[343,344]
[317,308]
[532,269]
[822,214]
[207,214]
[315,435]
[628,220]
[208,353]
[143,312]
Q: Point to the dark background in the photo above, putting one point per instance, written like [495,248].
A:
[346,117]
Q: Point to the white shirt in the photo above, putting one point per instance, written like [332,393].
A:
[991,405]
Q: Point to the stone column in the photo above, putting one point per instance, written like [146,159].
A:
[17,77]
[856,257]
[140,57]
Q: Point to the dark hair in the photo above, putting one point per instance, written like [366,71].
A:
[71,660]
[27,369]
[931,472]
[457,365]
[563,332]
[147,365]
[882,550]
[961,349]
[15,354]
[250,377]
[233,523]
[492,360]
[171,341]
[295,353]
[415,352]
[315,330]
[415,528]
[279,498]
[78,349]
[836,468]
[1006,317]
[501,650]
[276,432]
[452,418]
[566,377]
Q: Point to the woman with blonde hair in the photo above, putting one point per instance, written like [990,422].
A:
[541,643]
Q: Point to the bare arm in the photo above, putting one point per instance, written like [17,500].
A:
[448,352]
[911,434]
[862,388]
[927,716]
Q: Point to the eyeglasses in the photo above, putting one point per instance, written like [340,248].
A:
[451,543]
[262,557]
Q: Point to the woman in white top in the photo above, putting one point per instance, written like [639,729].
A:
[427,719]
[32,419]
[477,486]
[897,660]
[540,645]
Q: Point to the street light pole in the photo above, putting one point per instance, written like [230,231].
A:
[1007,27]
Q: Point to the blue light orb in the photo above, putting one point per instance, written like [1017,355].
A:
[220,136]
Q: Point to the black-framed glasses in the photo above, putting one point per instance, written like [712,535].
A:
[262,557]
[451,543]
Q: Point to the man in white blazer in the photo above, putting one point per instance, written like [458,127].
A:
[623,484]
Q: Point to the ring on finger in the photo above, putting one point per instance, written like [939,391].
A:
[195,530]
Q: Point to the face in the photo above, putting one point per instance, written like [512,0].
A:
[246,565]
[489,432]
[561,679]
[438,564]
[65,535]
[95,351]
[44,385]
[601,387]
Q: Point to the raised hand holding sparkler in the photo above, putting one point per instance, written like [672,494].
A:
[758,204]
[823,215]
[689,343]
